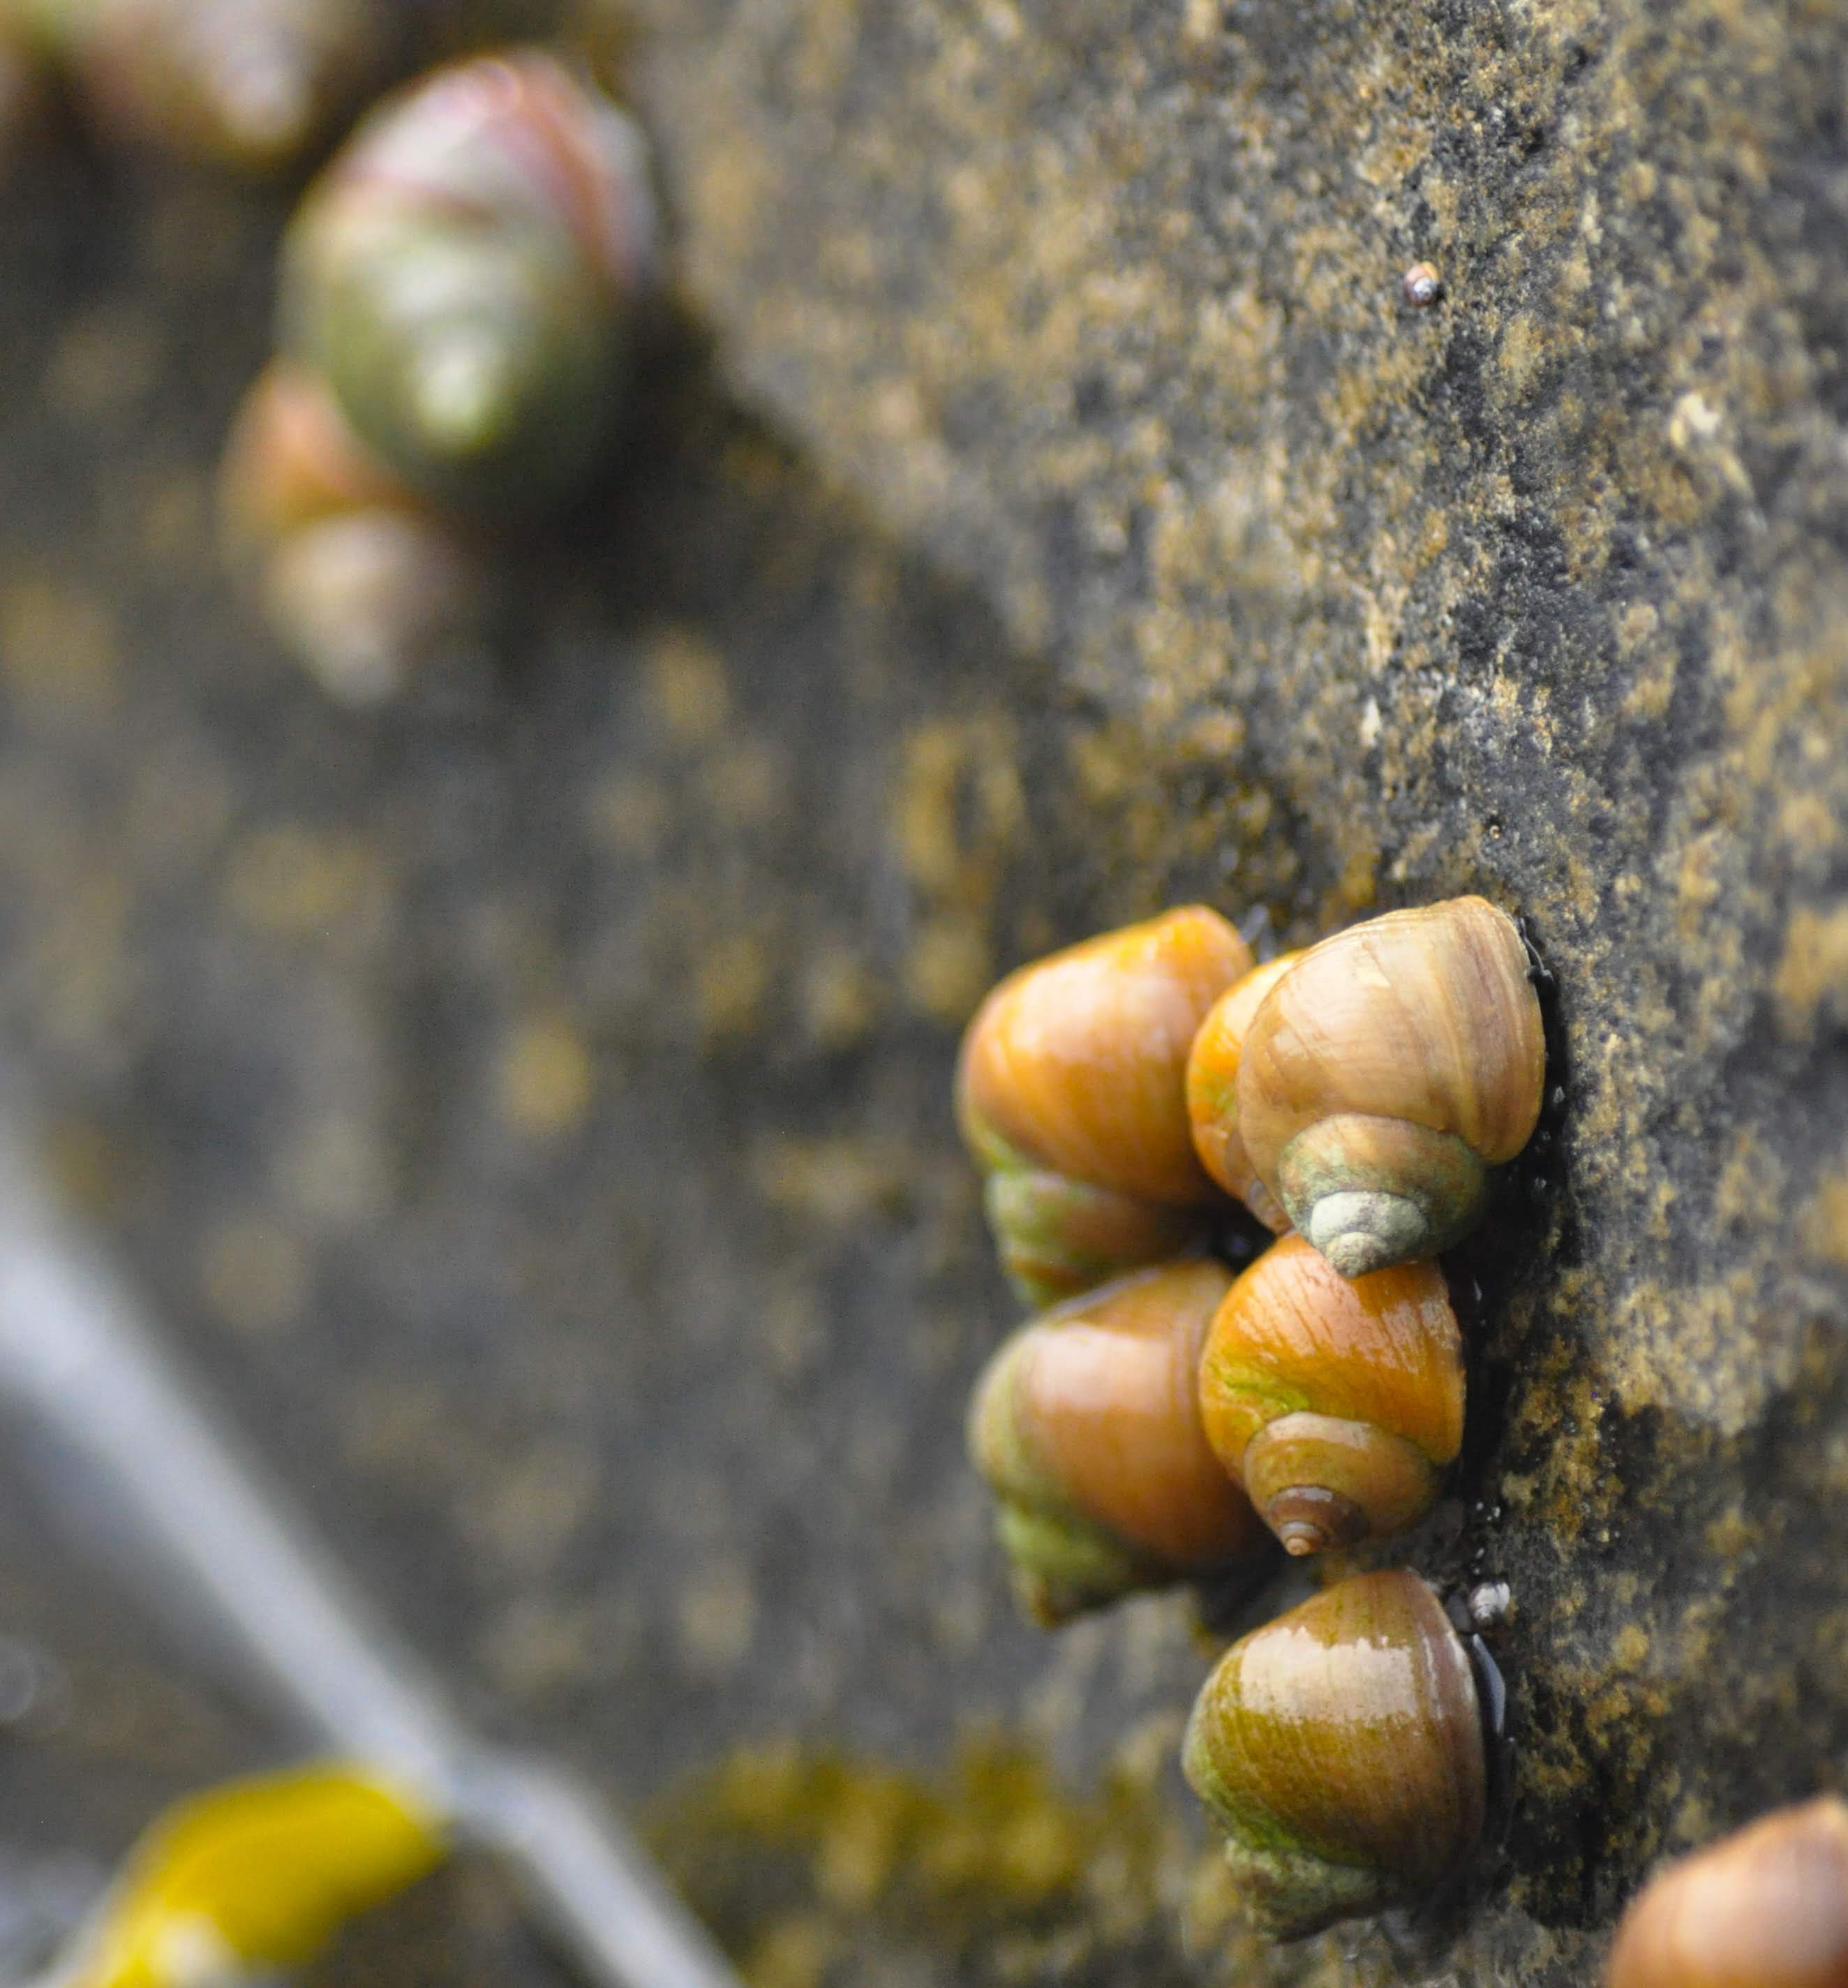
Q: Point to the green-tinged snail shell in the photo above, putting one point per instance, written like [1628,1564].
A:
[1339,1749]
[252,83]
[1766,1907]
[1085,1424]
[1386,1073]
[1058,1238]
[465,274]
[359,579]
[1212,1090]
[1337,1404]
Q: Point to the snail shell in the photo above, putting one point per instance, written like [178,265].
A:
[1339,1749]
[251,83]
[359,580]
[1337,1404]
[1058,1238]
[1767,1907]
[1385,1073]
[465,277]
[1086,1424]
[1078,1063]
[1212,1090]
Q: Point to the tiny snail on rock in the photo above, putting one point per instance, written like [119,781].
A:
[1337,1404]
[1382,1076]
[1086,1425]
[251,83]
[464,276]
[1071,1093]
[357,577]
[1340,1750]
[1766,1907]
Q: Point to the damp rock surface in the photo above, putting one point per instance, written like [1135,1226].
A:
[529,1106]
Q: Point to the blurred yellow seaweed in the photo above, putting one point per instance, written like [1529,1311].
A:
[255,1874]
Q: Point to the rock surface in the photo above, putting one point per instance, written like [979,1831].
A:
[531,1106]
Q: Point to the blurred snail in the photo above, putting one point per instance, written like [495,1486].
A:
[1212,1090]
[1071,1093]
[465,278]
[1385,1073]
[1337,1404]
[250,83]
[1086,1425]
[1340,1750]
[360,580]
[1767,1907]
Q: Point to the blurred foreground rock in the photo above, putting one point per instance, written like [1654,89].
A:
[531,1108]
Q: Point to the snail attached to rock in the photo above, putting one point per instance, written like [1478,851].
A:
[250,83]
[1340,1749]
[1086,1425]
[465,278]
[1764,1908]
[1336,1403]
[1071,1092]
[1383,1074]
[360,578]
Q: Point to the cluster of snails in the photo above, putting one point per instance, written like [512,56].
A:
[1165,1418]
[461,290]
[254,84]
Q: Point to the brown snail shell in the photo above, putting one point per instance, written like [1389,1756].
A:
[360,580]
[465,276]
[1336,1403]
[1386,1073]
[1340,1749]
[1086,1424]
[1212,1090]
[251,83]
[1766,1908]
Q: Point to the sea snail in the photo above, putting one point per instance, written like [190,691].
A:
[1212,1089]
[1071,1093]
[1337,1404]
[1385,1073]
[359,578]
[1767,1907]
[1086,1425]
[465,274]
[1340,1750]
[251,83]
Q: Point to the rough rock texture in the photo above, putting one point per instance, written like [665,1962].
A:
[532,1105]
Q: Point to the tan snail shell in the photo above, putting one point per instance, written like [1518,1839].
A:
[252,83]
[1386,1072]
[1337,1404]
[1766,1907]
[1212,1090]
[465,274]
[1086,1426]
[360,580]
[1074,1071]
[1339,1749]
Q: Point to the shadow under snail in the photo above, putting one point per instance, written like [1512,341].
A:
[1340,1750]
[1071,1094]
[1382,1075]
[1086,1424]
[1764,1908]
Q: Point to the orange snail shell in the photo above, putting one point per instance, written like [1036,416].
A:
[1212,1090]
[1336,1403]
[1766,1907]
[1086,1425]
